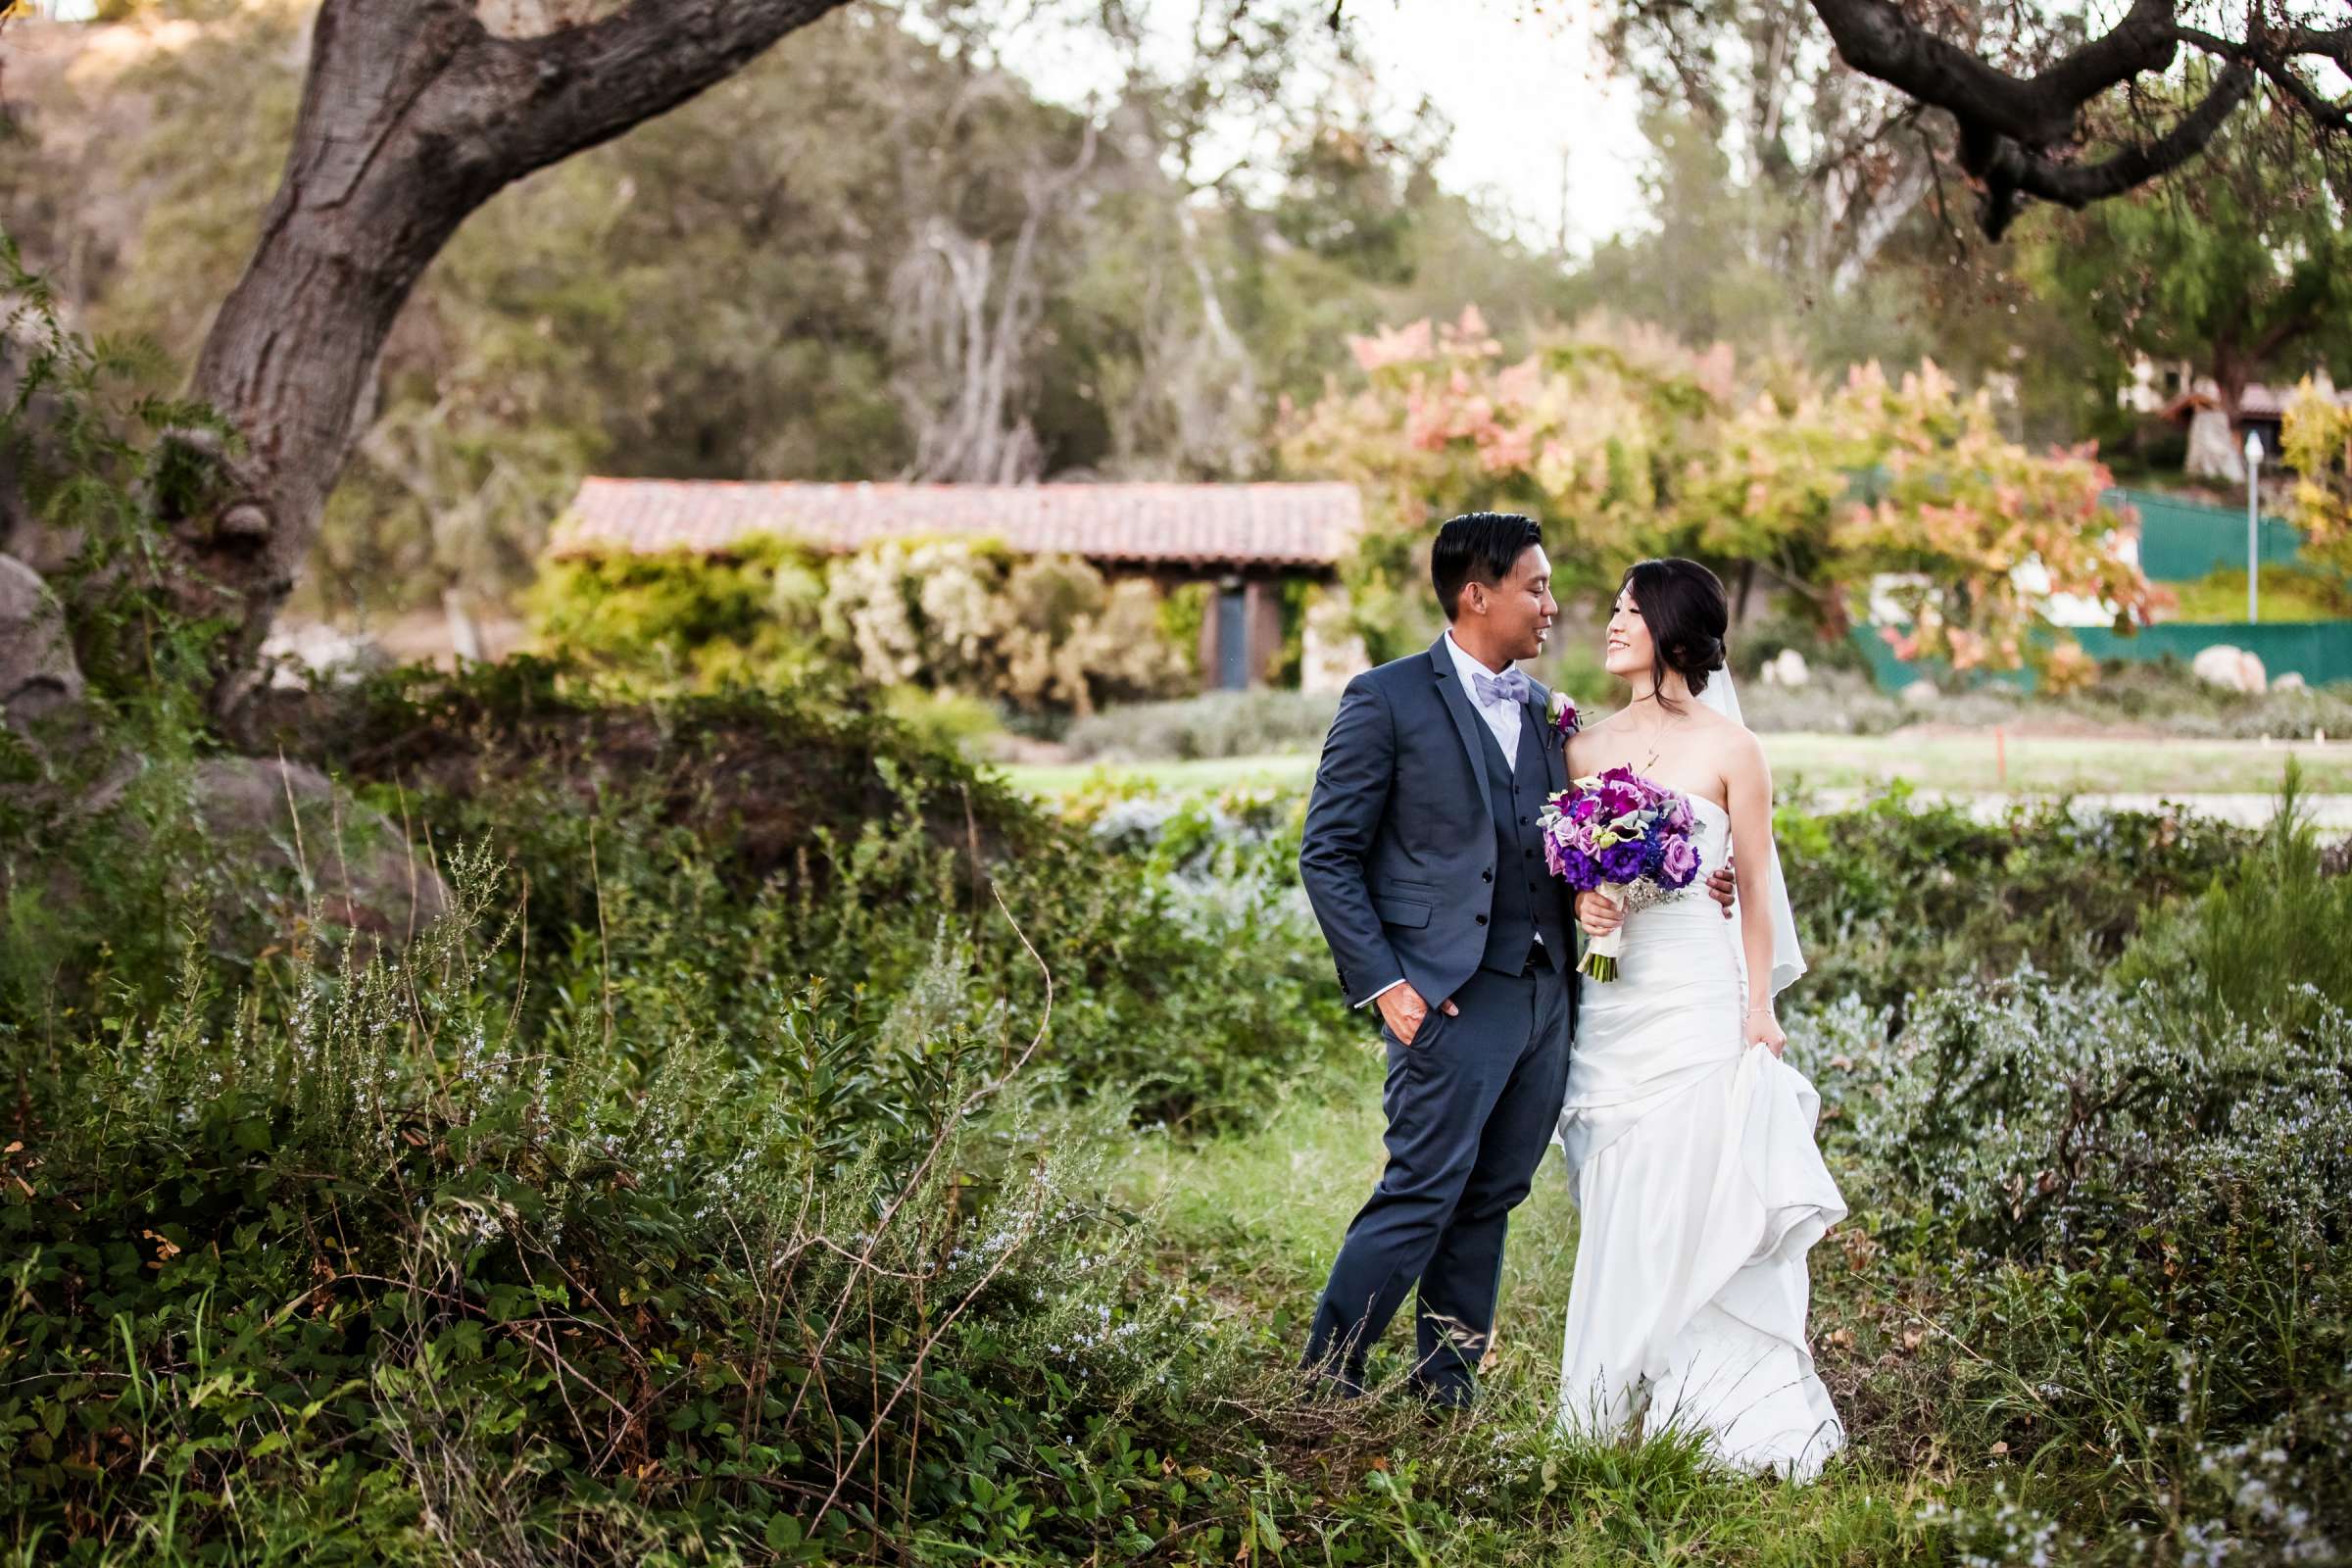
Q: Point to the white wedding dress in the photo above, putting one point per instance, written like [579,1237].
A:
[1701,1190]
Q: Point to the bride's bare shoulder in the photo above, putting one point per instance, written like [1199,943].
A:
[1740,751]
[1589,741]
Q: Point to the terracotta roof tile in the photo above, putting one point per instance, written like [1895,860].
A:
[1207,525]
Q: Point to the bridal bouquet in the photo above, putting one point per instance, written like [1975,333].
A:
[1617,832]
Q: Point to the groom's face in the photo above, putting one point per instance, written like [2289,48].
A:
[1516,612]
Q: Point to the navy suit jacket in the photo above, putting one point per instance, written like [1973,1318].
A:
[1398,852]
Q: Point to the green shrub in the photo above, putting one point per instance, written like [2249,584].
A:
[2126,1234]
[1251,723]
[958,616]
[385,1269]
[1895,897]
[2166,695]
[968,615]
[747,618]
[2269,940]
[1183,610]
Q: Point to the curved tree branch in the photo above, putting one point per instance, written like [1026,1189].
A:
[2019,136]
[1876,39]
[413,115]
[2011,172]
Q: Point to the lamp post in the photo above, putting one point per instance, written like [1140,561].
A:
[2253,527]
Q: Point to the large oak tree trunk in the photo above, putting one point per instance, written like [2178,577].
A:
[413,115]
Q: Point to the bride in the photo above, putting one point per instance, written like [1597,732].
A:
[1690,1142]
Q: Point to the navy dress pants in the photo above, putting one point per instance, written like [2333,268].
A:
[1471,1107]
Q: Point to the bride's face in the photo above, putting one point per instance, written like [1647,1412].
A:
[1628,648]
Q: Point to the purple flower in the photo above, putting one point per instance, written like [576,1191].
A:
[1622,862]
[1652,827]
[1564,717]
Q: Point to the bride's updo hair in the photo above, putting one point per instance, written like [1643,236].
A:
[1684,605]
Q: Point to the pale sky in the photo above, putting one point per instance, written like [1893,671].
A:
[1525,90]
[1518,79]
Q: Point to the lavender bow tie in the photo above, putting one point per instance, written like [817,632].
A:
[1508,687]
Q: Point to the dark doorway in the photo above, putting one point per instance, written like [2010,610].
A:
[1233,640]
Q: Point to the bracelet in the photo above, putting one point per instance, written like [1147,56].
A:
[1766,1010]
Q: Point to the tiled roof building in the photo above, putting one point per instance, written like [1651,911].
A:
[1247,539]
[1154,525]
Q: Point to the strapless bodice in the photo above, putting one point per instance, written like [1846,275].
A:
[1690,915]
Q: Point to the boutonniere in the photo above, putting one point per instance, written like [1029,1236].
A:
[1559,712]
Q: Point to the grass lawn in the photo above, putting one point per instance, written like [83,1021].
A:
[2289,592]
[1953,761]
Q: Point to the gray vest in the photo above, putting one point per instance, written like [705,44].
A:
[1527,897]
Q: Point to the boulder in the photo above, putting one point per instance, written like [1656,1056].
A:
[1920,694]
[38,675]
[367,876]
[2290,681]
[2232,667]
[1787,668]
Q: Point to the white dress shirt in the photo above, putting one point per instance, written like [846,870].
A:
[1503,718]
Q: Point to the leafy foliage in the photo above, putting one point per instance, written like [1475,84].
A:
[955,616]
[1985,532]
[2264,942]
[2317,437]
[1635,446]
[2239,270]
[1585,430]
[747,618]
[1897,896]
[671,305]
[2123,1202]
[91,470]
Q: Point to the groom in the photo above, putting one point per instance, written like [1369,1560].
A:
[1425,865]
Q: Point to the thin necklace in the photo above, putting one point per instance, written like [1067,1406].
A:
[1659,731]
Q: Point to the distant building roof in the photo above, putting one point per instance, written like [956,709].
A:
[1189,524]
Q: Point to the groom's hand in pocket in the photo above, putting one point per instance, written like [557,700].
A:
[1403,1009]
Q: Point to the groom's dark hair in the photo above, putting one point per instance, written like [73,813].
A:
[1480,545]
